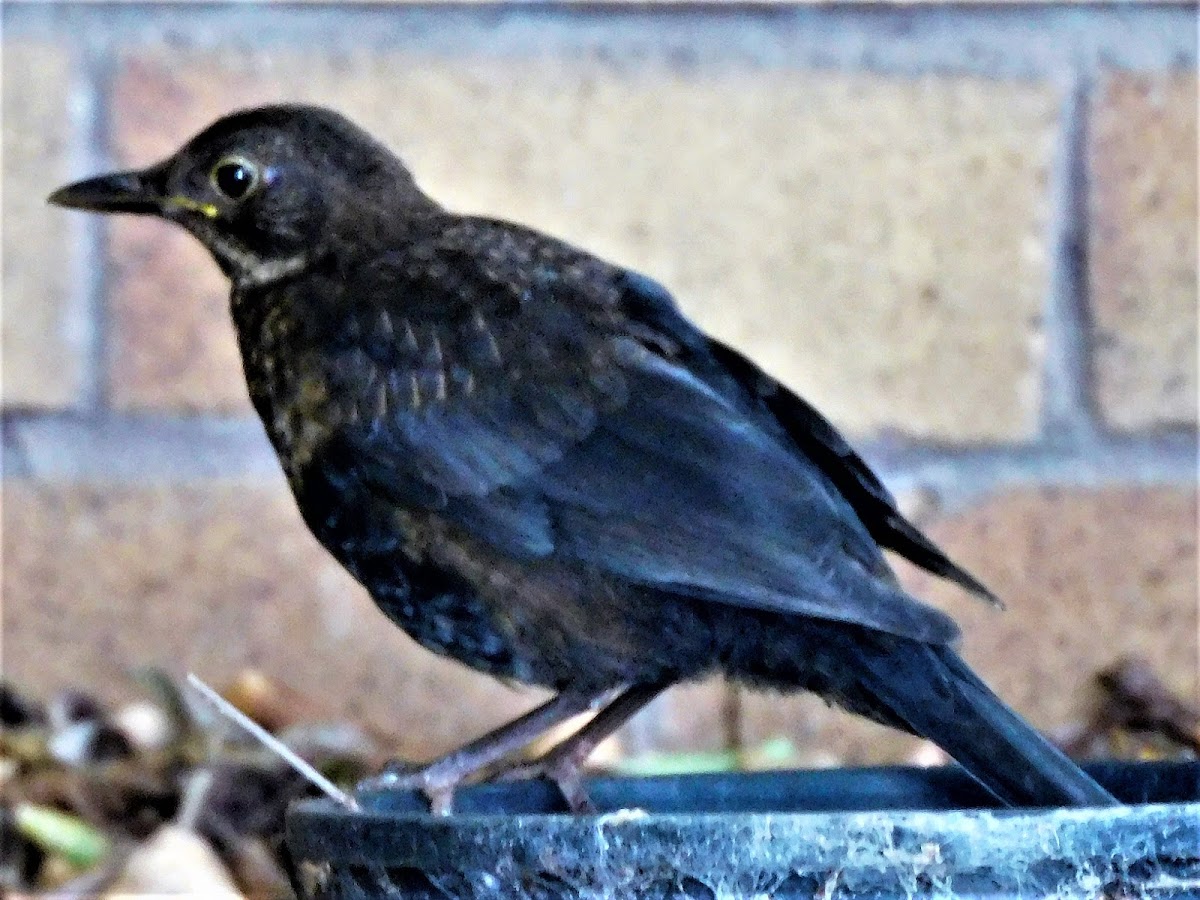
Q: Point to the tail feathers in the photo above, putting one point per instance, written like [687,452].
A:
[933,693]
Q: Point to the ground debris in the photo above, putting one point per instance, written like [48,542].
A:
[157,797]
[1136,715]
[96,802]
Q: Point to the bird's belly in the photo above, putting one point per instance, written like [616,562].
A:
[442,605]
[433,606]
[586,639]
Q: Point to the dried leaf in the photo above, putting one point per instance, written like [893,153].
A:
[174,861]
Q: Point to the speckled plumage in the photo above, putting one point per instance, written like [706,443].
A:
[537,466]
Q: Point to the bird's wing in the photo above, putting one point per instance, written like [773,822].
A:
[590,436]
[813,435]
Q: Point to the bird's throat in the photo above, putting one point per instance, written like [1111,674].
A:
[270,271]
[247,269]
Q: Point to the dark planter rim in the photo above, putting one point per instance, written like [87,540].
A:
[508,842]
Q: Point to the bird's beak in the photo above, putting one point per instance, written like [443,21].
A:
[138,191]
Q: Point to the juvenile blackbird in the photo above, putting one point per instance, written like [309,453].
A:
[537,466]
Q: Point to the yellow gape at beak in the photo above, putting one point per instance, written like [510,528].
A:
[208,210]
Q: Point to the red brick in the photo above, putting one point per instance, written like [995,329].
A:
[1088,577]
[172,342]
[100,580]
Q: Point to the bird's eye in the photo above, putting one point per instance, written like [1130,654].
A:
[235,177]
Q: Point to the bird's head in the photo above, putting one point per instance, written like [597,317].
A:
[266,190]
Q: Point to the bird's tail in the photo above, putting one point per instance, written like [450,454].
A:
[933,693]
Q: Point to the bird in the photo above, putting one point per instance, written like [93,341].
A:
[536,465]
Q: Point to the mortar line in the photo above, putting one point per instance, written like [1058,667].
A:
[1001,41]
[1065,416]
[14,457]
[100,158]
[961,476]
[1165,457]
[141,448]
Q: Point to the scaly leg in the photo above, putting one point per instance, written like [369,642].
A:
[563,764]
[439,779]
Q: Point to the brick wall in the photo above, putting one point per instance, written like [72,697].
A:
[967,233]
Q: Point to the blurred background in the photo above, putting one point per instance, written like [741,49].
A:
[967,232]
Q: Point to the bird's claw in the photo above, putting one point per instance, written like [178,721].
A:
[563,772]
[437,786]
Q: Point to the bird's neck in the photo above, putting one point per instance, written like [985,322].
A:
[246,268]
[261,273]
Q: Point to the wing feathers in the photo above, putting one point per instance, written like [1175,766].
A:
[620,439]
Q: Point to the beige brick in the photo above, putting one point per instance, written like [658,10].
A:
[45,335]
[100,580]
[1088,576]
[1143,249]
[875,241]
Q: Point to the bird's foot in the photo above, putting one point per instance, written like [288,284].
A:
[564,770]
[563,765]
[436,781]
[439,779]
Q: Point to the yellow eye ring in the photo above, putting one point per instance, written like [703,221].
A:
[235,177]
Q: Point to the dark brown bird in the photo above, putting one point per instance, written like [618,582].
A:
[537,466]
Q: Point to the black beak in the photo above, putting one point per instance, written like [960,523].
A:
[128,192]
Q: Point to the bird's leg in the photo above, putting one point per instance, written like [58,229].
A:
[439,779]
[564,763]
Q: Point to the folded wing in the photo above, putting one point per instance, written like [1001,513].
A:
[599,438]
